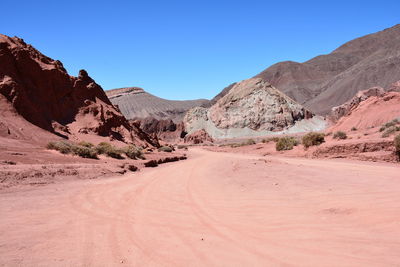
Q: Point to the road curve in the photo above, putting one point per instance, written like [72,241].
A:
[214,209]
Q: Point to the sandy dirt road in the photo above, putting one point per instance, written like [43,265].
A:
[215,209]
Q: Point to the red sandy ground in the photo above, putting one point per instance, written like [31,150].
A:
[365,144]
[214,209]
[24,164]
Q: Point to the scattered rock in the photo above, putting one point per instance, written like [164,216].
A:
[132,168]
[9,162]
[198,137]
[151,163]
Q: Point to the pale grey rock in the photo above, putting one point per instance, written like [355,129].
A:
[252,107]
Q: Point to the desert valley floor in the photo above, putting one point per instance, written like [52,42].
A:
[214,209]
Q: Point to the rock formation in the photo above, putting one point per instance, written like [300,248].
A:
[198,137]
[42,92]
[165,130]
[366,112]
[346,108]
[251,107]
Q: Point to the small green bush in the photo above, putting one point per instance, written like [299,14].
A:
[286,143]
[270,139]
[389,124]
[233,145]
[390,130]
[85,144]
[84,152]
[109,150]
[249,142]
[115,153]
[339,135]
[103,147]
[313,139]
[165,149]
[62,146]
[397,145]
[69,148]
[133,152]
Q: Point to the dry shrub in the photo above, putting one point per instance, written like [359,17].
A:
[397,145]
[62,146]
[165,149]
[286,143]
[313,139]
[389,124]
[390,130]
[84,152]
[109,150]
[85,144]
[69,148]
[270,139]
[340,135]
[133,152]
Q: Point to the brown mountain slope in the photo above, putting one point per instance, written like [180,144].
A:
[135,103]
[330,80]
[40,90]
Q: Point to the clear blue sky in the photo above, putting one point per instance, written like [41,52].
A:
[188,49]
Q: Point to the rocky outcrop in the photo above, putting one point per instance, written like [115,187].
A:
[166,130]
[367,112]
[330,80]
[42,92]
[198,137]
[135,103]
[359,150]
[345,109]
[251,107]
[395,87]
[257,105]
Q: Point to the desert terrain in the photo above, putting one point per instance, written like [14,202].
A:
[256,211]
[296,166]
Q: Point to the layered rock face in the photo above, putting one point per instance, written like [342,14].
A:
[42,92]
[251,107]
[373,111]
[368,108]
[330,80]
[345,109]
[257,105]
[166,130]
[136,104]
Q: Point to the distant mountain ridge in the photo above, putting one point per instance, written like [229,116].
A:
[330,80]
[136,103]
